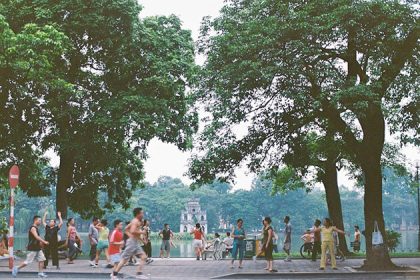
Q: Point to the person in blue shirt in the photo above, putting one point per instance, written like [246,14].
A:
[238,234]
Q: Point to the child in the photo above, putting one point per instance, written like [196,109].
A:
[116,241]
[307,239]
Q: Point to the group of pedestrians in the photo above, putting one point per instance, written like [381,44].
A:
[125,244]
[120,246]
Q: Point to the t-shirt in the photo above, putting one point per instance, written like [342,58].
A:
[33,244]
[266,234]
[93,232]
[116,236]
[103,234]
[198,234]
[72,235]
[327,234]
[228,241]
[51,234]
[288,232]
[166,234]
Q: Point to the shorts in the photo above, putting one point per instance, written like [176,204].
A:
[102,245]
[132,248]
[287,246]
[115,258]
[166,245]
[37,256]
[197,243]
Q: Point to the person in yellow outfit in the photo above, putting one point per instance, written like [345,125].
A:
[328,243]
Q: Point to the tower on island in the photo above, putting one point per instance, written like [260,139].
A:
[191,215]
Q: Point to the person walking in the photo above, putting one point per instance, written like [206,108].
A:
[71,240]
[198,240]
[316,230]
[147,242]
[287,245]
[103,242]
[166,235]
[357,236]
[132,246]
[328,243]
[268,234]
[34,248]
[93,239]
[51,235]
[238,234]
[116,241]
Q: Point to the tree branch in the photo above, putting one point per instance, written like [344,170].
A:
[402,53]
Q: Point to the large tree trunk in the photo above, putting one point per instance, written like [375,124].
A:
[332,193]
[64,181]
[377,258]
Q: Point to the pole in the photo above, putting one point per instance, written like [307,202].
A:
[13,182]
[11,227]
[418,205]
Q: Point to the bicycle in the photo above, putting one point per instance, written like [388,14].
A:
[306,250]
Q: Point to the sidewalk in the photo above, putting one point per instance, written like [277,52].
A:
[191,269]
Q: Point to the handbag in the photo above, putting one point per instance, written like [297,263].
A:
[377,238]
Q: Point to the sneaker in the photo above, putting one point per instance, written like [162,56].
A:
[114,277]
[15,271]
[42,275]
[91,263]
[109,266]
[140,275]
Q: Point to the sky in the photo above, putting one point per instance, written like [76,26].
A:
[165,159]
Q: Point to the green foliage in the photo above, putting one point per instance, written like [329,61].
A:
[280,68]
[3,226]
[27,58]
[121,82]
[164,200]
[393,239]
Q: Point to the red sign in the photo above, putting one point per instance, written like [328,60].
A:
[14,176]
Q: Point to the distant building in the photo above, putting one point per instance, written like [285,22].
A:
[191,215]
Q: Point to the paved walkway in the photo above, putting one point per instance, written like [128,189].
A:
[191,269]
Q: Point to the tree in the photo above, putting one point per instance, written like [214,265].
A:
[126,82]
[26,70]
[284,68]
[323,154]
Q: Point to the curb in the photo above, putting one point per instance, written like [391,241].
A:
[57,274]
[309,275]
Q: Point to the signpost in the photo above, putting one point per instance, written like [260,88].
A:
[13,182]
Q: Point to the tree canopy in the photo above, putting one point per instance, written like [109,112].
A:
[124,82]
[284,69]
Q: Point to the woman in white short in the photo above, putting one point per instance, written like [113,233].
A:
[198,240]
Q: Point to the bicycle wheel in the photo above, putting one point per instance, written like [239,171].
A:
[304,253]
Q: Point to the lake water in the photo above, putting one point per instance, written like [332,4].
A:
[408,243]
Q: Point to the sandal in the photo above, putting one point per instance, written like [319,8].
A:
[273,270]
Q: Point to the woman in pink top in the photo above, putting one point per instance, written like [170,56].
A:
[72,235]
